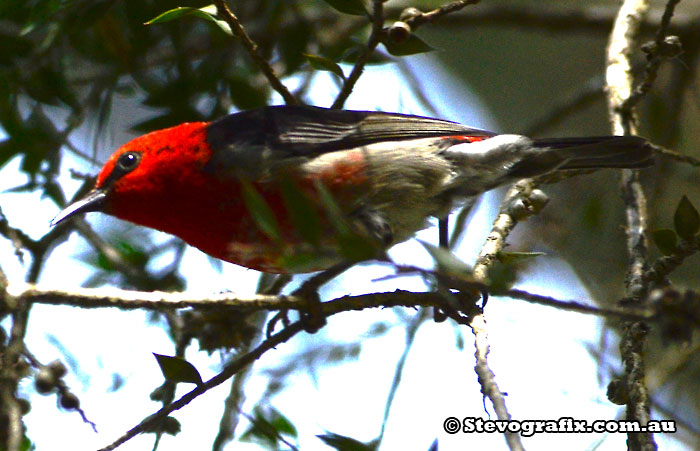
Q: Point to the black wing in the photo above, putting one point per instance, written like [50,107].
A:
[290,131]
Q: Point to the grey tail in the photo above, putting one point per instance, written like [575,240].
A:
[595,152]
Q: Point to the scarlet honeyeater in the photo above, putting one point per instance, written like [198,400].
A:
[380,176]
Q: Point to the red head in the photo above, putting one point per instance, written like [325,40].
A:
[152,177]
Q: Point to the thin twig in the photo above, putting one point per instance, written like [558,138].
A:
[161,301]
[672,154]
[629,314]
[359,67]
[267,284]
[662,267]
[502,226]
[619,79]
[423,18]
[13,430]
[230,369]
[546,17]
[487,379]
[411,331]
[225,12]
[655,57]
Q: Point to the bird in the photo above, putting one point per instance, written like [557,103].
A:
[295,189]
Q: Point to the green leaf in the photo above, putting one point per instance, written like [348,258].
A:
[353,246]
[26,444]
[516,257]
[171,15]
[686,220]
[298,36]
[246,96]
[354,7]
[261,212]
[335,214]
[344,443]
[267,427]
[177,369]
[357,248]
[665,239]
[207,13]
[351,54]
[167,425]
[302,212]
[133,253]
[300,262]
[501,277]
[8,149]
[325,64]
[411,46]
[446,261]
[282,424]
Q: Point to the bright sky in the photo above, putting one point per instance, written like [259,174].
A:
[538,354]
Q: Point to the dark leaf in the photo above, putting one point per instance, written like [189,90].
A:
[325,64]
[177,369]
[267,427]
[517,257]
[446,261]
[133,254]
[48,85]
[282,424]
[302,212]
[167,425]
[261,212]
[246,96]
[351,54]
[172,14]
[686,220]
[299,262]
[354,7]
[26,444]
[411,46]
[357,248]
[335,214]
[207,13]
[8,149]
[665,239]
[53,191]
[502,277]
[296,40]
[13,47]
[343,443]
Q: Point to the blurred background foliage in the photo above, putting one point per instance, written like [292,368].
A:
[64,63]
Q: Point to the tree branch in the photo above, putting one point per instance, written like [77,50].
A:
[420,19]
[225,12]
[558,19]
[359,67]
[619,79]
[229,371]
[656,53]
[502,226]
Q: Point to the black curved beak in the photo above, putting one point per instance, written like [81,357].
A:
[93,201]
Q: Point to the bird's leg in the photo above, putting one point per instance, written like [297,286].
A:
[313,317]
[444,241]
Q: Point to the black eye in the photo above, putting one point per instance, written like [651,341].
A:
[128,161]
